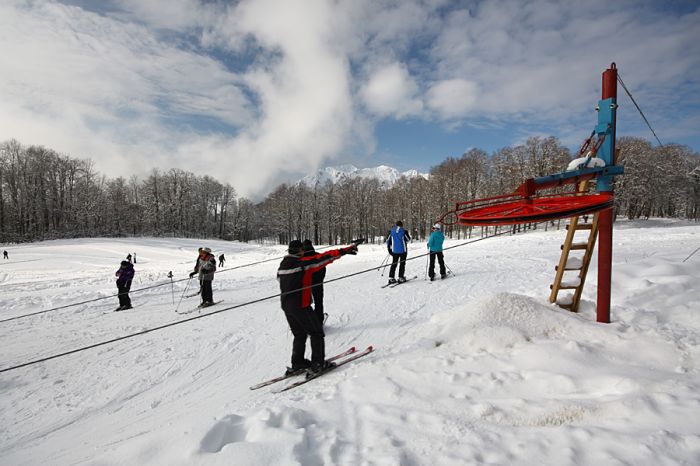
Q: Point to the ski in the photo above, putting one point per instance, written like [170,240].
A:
[392,285]
[325,318]
[311,376]
[198,308]
[299,372]
[192,295]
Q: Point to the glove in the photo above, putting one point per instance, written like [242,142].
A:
[358,241]
[349,250]
[192,274]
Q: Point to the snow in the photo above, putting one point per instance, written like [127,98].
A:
[585,162]
[386,175]
[475,369]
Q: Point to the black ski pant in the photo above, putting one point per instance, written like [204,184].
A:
[317,293]
[303,323]
[123,290]
[207,293]
[401,260]
[441,260]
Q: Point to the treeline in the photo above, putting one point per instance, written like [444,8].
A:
[46,195]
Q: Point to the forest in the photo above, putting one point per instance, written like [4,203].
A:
[47,195]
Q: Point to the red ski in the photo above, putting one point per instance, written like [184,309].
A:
[299,372]
[310,377]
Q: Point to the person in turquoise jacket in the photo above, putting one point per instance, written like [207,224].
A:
[435,248]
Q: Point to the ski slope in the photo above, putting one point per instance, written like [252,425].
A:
[475,369]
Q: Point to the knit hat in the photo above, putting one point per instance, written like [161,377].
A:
[307,245]
[294,246]
[207,250]
[436,226]
[125,263]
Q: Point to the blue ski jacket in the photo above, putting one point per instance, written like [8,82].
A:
[397,240]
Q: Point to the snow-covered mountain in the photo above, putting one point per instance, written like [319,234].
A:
[385,174]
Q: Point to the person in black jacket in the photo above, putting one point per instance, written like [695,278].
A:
[295,275]
[317,282]
[125,274]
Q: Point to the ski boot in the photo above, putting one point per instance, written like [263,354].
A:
[318,368]
[296,368]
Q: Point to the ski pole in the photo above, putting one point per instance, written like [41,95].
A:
[427,258]
[449,269]
[172,286]
[384,264]
[183,293]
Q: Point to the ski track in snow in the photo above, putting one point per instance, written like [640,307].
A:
[475,369]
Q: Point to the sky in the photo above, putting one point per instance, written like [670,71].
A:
[257,92]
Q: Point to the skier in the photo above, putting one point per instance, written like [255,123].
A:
[295,276]
[317,282]
[128,257]
[124,274]
[435,249]
[134,258]
[5,255]
[397,244]
[222,259]
[205,267]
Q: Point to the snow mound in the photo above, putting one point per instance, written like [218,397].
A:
[500,321]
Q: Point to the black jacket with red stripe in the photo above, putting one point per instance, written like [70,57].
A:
[295,276]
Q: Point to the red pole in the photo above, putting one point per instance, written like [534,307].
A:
[605,242]
[605,218]
[610,82]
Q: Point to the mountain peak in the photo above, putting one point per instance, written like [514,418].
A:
[385,174]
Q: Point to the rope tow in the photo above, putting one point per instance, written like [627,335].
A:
[201,316]
[171,282]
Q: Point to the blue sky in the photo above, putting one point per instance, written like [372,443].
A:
[256,92]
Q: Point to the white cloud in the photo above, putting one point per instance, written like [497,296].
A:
[453,98]
[390,90]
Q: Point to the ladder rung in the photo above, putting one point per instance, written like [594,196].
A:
[568,287]
[579,246]
[556,268]
[582,226]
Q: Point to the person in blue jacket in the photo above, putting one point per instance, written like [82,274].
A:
[397,244]
[435,248]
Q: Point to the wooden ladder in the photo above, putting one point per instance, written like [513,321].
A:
[573,264]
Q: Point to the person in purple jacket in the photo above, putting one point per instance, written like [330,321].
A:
[124,274]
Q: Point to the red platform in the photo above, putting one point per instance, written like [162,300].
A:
[513,209]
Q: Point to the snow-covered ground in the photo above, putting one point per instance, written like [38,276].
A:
[475,369]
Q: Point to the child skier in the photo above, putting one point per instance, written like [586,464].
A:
[205,267]
[124,274]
